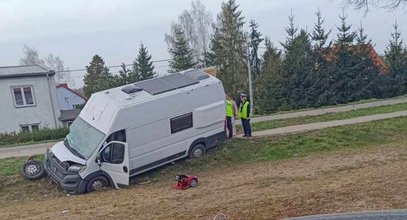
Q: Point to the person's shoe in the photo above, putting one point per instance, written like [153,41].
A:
[249,136]
[244,135]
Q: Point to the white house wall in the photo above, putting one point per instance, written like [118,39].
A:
[11,117]
[67,99]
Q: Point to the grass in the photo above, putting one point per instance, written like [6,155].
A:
[11,166]
[264,125]
[233,153]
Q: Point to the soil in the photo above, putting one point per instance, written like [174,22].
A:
[341,181]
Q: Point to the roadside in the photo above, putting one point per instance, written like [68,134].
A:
[334,109]
[351,168]
[265,125]
[41,148]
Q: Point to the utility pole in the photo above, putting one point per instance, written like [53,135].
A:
[249,70]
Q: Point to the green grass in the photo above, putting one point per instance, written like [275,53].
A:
[264,125]
[11,166]
[241,151]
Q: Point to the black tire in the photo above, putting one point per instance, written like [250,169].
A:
[197,151]
[194,183]
[97,184]
[33,170]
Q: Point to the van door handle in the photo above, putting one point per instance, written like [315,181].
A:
[125,169]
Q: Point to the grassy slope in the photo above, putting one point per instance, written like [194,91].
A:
[238,151]
[327,117]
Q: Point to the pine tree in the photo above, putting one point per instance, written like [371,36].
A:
[255,41]
[229,48]
[268,84]
[345,36]
[319,35]
[181,53]
[297,74]
[143,65]
[124,76]
[97,77]
[396,57]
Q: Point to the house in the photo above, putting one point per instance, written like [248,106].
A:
[67,98]
[28,99]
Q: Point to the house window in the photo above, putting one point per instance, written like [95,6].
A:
[29,128]
[181,123]
[23,96]
[25,128]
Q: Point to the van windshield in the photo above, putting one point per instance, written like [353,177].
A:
[83,139]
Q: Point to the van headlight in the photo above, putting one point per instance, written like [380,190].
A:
[76,168]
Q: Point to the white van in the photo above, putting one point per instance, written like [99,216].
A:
[128,130]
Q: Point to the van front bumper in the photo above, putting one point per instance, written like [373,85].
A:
[72,183]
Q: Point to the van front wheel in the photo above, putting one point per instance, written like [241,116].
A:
[197,151]
[97,184]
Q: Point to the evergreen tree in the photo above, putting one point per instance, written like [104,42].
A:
[269,88]
[97,77]
[181,53]
[124,76]
[229,48]
[319,35]
[396,57]
[143,65]
[297,74]
[345,37]
[255,41]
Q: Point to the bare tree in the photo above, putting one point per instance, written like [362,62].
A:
[196,24]
[32,57]
[365,4]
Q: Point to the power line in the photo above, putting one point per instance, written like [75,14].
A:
[114,66]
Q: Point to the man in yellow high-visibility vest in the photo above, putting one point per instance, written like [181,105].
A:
[245,115]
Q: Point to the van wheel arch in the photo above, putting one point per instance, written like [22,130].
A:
[200,143]
[97,174]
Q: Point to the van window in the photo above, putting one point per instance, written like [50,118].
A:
[181,123]
[114,153]
[117,136]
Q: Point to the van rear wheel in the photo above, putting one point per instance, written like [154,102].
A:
[197,151]
[97,184]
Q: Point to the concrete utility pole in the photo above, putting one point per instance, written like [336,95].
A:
[249,70]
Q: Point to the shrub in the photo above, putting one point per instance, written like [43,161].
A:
[35,136]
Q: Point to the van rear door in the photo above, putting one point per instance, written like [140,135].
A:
[114,160]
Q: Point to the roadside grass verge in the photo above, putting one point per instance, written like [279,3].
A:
[265,125]
[231,154]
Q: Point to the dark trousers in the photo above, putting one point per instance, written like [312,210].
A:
[229,126]
[246,127]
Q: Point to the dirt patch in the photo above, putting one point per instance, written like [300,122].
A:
[344,181]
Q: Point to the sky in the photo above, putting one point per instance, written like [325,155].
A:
[76,29]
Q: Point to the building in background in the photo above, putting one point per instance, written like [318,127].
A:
[28,99]
[69,99]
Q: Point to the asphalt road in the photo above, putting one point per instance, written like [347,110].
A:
[379,215]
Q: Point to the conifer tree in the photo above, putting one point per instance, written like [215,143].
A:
[181,53]
[229,48]
[97,77]
[255,41]
[143,65]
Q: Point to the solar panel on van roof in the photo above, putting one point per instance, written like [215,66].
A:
[166,83]
[155,86]
[196,74]
[179,80]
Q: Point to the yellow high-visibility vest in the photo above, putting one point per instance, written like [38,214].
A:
[244,110]
[229,108]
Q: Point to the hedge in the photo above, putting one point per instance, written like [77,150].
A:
[35,136]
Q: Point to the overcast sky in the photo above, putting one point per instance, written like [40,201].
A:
[77,29]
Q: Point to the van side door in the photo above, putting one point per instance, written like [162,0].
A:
[114,160]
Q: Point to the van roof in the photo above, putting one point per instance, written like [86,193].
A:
[108,101]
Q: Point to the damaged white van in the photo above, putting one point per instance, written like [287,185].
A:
[128,130]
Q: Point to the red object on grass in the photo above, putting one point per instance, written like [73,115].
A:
[185,182]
